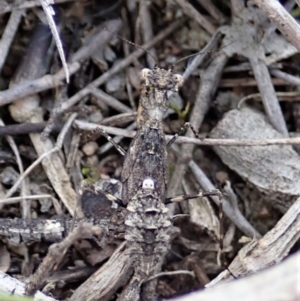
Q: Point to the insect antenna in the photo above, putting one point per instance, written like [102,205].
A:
[201,52]
[131,43]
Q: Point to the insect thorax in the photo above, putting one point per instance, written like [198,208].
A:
[150,160]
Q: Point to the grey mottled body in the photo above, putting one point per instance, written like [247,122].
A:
[148,236]
[147,155]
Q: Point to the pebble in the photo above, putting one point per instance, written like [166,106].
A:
[90,148]
[96,117]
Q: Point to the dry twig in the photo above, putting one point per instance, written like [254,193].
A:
[9,33]
[87,126]
[24,190]
[189,10]
[282,19]
[267,251]
[146,26]
[214,11]
[27,4]
[71,206]
[49,11]
[247,44]
[103,283]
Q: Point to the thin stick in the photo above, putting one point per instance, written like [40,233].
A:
[238,142]
[190,140]
[214,11]
[131,43]
[232,213]
[25,4]
[37,85]
[57,147]
[9,33]
[282,19]
[16,199]
[49,11]
[25,205]
[110,101]
[190,11]
[179,272]
[291,96]
[147,30]
[267,91]
[291,79]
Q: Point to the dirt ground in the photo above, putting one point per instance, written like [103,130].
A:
[240,94]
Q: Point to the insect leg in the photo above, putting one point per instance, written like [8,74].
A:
[98,132]
[181,131]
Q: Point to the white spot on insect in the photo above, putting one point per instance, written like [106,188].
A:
[148,184]
[145,74]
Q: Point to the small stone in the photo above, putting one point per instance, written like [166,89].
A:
[79,263]
[96,117]
[222,176]
[9,176]
[90,148]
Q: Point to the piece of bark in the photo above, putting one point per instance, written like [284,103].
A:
[274,170]
[104,283]
[52,230]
